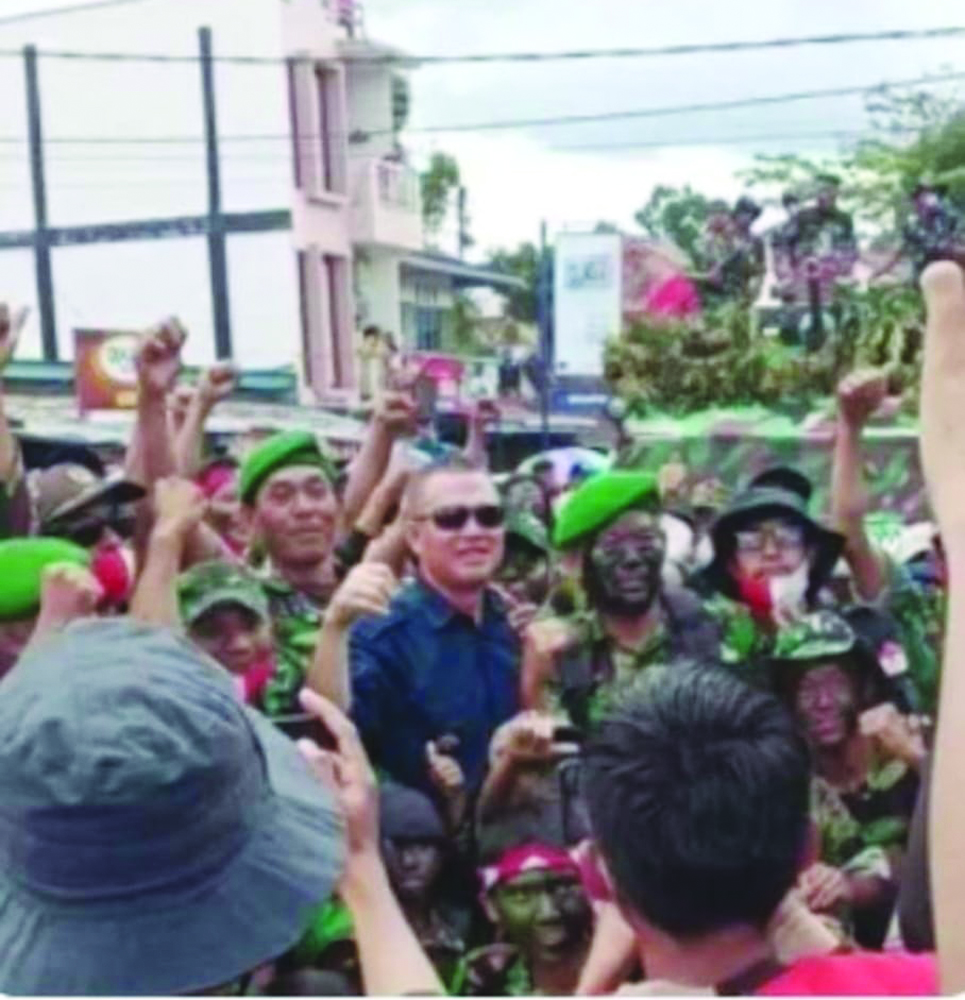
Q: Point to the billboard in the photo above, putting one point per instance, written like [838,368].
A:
[104,374]
[587,299]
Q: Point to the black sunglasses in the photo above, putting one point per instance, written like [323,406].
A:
[488,515]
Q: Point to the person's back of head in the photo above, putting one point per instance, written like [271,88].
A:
[698,793]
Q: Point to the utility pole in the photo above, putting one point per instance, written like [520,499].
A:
[41,243]
[465,240]
[217,244]
[545,320]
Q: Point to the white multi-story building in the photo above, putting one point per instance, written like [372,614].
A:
[314,130]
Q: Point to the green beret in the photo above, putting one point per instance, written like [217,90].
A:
[281,452]
[599,500]
[22,565]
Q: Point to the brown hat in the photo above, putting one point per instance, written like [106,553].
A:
[67,489]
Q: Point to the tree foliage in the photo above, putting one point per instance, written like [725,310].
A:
[524,263]
[438,181]
[675,215]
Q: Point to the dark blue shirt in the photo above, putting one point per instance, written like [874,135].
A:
[426,670]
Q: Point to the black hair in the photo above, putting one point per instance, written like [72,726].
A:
[698,793]
[371,331]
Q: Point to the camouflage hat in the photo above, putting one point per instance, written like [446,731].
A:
[816,637]
[599,500]
[22,565]
[214,584]
[282,451]
[523,525]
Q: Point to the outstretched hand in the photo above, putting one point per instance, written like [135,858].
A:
[345,770]
[158,359]
[943,389]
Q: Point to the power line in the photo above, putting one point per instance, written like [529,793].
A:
[79,8]
[680,109]
[723,140]
[655,112]
[497,57]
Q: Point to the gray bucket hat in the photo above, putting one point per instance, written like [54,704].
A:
[156,837]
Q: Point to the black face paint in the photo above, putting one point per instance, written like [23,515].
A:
[622,568]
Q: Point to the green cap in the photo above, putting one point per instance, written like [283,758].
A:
[331,923]
[282,451]
[815,637]
[522,524]
[599,500]
[213,584]
[22,565]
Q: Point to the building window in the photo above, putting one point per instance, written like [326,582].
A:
[334,296]
[304,277]
[332,140]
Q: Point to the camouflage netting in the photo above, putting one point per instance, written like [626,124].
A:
[734,444]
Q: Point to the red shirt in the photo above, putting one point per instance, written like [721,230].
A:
[895,974]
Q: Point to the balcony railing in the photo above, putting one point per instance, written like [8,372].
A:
[386,203]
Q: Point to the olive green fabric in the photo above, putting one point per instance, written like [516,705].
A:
[529,528]
[281,452]
[215,584]
[22,565]
[599,500]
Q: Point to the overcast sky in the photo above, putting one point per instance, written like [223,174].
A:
[515,178]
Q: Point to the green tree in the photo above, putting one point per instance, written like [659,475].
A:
[675,215]
[438,182]
[524,263]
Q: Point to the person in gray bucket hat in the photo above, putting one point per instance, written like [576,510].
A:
[156,837]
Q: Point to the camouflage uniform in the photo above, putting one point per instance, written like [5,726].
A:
[296,621]
[494,971]
[919,610]
[596,669]
[926,237]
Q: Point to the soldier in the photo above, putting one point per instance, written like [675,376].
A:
[633,619]
[932,231]
[866,758]
[823,242]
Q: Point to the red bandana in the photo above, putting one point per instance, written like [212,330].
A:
[529,858]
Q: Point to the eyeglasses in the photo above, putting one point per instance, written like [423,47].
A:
[783,536]
[489,515]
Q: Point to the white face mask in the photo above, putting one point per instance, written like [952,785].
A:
[788,594]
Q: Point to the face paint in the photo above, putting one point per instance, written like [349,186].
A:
[544,914]
[625,563]
[413,866]
[524,573]
[826,704]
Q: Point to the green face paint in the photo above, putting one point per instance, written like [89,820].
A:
[544,914]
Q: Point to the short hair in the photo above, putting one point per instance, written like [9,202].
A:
[698,794]
[454,464]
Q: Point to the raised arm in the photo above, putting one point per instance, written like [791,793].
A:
[943,458]
[366,590]
[151,453]
[215,384]
[14,503]
[392,960]
[392,419]
[178,509]
[859,395]
[484,413]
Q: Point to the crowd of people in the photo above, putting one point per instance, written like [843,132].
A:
[269,724]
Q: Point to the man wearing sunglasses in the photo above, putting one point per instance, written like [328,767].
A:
[443,661]
[95,512]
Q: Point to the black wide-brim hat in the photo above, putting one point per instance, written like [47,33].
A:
[156,836]
[758,504]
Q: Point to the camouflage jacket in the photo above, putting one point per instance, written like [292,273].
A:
[497,970]
[919,610]
[745,645]
[597,667]
[296,621]
[861,831]
[924,238]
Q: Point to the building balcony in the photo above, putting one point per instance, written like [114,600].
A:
[386,205]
